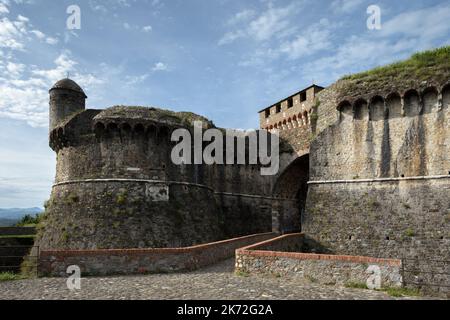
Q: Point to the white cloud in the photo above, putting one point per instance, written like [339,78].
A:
[160,66]
[25,88]
[273,21]
[38,34]
[147,28]
[345,6]
[15,69]
[427,24]
[63,65]
[312,40]
[3,8]
[231,36]
[242,16]
[282,39]
[98,8]
[41,36]
[22,18]
[269,23]
[51,41]
[133,80]
[400,36]
[11,34]
[124,3]
[15,33]
[26,166]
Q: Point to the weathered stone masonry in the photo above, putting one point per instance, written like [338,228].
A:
[284,256]
[142,261]
[386,191]
[365,171]
[116,186]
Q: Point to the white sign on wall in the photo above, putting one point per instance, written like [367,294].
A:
[157,192]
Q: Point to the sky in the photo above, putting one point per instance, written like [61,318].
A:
[224,59]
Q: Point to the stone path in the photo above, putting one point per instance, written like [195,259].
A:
[217,282]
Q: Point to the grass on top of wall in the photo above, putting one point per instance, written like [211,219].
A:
[431,66]
[420,64]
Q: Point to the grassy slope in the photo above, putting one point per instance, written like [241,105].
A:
[431,66]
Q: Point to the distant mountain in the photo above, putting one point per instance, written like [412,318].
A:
[9,217]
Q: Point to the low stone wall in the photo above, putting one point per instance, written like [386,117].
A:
[141,261]
[321,268]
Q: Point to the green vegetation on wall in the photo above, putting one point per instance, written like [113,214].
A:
[432,65]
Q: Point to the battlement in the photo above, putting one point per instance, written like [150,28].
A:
[292,112]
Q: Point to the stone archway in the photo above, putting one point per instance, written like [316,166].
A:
[292,190]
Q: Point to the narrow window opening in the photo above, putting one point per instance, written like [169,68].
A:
[302,96]
[290,103]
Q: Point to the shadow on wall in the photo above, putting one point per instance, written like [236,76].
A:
[293,185]
[397,135]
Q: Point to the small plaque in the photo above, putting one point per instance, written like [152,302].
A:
[157,192]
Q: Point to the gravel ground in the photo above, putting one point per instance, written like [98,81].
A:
[216,282]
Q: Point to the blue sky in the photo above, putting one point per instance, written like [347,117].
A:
[225,59]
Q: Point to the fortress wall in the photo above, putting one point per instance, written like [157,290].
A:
[174,210]
[409,145]
[381,219]
[127,214]
[244,215]
[239,179]
[111,154]
[326,112]
[203,203]
[368,194]
[298,138]
[285,215]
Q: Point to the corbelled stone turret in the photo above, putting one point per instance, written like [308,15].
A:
[66,99]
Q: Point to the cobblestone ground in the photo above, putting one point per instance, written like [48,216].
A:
[217,282]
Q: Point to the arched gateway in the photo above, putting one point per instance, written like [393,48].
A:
[292,184]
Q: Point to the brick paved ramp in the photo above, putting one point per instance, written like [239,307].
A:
[217,282]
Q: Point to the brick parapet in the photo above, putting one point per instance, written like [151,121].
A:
[134,261]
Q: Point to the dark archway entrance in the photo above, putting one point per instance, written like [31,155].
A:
[292,185]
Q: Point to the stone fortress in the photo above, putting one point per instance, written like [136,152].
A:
[116,186]
[364,170]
